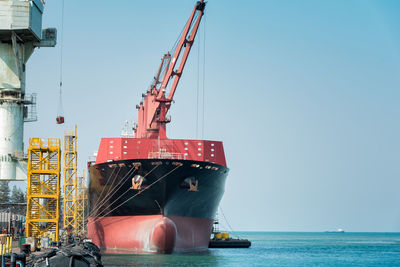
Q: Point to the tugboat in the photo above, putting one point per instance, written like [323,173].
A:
[223,240]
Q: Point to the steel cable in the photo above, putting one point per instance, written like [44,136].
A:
[60,105]
[204,74]
[198,88]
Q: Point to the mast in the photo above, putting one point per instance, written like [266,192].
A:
[152,111]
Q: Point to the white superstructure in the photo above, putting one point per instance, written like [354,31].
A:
[20,32]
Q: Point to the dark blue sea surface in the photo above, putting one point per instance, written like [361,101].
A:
[285,249]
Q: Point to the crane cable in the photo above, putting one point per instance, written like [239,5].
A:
[204,74]
[60,105]
[203,83]
[198,87]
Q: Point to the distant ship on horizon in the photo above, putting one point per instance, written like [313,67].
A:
[339,230]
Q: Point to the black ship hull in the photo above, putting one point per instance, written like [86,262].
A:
[145,195]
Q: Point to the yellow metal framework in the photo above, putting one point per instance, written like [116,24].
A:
[80,205]
[70,180]
[43,192]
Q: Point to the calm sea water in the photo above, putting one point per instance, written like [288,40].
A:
[285,249]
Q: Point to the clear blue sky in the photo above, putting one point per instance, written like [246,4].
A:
[305,96]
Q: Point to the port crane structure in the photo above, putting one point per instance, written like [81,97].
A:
[152,113]
[20,33]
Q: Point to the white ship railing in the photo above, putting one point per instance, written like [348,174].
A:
[165,155]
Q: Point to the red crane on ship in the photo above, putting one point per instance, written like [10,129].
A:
[152,111]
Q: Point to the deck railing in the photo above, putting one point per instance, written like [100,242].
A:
[165,155]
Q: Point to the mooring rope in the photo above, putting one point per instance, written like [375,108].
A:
[119,184]
[117,187]
[226,220]
[111,187]
[112,182]
[158,180]
[129,189]
[102,190]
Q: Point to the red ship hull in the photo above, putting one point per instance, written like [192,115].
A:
[150,234]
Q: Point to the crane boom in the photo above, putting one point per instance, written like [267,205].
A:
[185,43]
[152,111]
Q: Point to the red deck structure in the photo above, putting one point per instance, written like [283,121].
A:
[114,149]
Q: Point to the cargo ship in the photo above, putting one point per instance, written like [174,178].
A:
[149,193]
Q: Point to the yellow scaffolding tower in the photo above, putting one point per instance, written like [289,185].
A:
[70,180]
[43,192]
[80,205]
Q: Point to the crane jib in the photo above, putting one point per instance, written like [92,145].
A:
[152,111]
